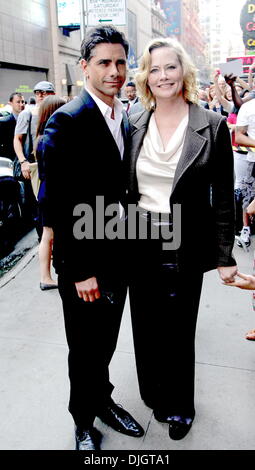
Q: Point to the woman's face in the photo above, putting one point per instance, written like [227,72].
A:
[229,94]
[212,91]
[165,74]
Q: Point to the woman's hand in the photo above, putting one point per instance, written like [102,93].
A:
[216,76]
[227,273]
[246,281]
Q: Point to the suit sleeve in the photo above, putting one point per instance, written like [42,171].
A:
[72,256]
[223,196]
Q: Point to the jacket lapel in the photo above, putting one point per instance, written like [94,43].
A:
[125,128]
[193,143]
[139,124]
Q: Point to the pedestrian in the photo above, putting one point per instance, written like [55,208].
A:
[25,131]
[181,178]
[7,126]
[223,93]
[203,98]
[84,147]
[245,136]
[130,91]
[24,140]
[10,188]
[247,281]
[47,108]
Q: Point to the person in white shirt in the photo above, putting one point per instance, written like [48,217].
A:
[245,136]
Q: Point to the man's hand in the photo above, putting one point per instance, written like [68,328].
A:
[25,169]
[246,281]
[227,273]
[230,79]
[88,290]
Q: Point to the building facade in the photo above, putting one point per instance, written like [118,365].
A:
[25,46]
[35,45]
[158,20]
[221,26]
[183,23]
[138,30]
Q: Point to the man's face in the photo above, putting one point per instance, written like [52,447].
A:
[40,95]
[106,71]
[18,104]
[130,92]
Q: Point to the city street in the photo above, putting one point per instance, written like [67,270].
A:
[33,366]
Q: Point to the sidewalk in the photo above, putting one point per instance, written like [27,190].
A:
[34,383]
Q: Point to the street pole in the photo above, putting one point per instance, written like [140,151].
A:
[83,23]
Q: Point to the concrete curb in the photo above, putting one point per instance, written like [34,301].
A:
[21,264]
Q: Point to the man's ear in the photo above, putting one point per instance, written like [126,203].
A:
[84,67]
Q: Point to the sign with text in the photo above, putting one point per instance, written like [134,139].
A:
[68,13]
[100,12]
[247,23]
[247,61]
[172,11]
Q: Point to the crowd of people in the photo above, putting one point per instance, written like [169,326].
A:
[227,96]
[169,155]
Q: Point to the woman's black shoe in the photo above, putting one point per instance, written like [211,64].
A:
[178,429]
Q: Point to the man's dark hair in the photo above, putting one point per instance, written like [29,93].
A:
[102,34]
[31,100]
[14,94]
[131,84]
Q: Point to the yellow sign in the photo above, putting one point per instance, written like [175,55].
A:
[251,8]
[24,89]
[237,148]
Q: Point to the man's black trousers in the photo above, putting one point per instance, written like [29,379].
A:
[92,331]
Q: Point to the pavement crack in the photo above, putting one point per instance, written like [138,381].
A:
[147,428]
[31,340]
[225,367]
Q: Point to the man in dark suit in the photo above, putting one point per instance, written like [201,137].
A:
[7,126]
[130,91]
[84,151]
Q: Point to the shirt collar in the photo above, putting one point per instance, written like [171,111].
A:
[104,108]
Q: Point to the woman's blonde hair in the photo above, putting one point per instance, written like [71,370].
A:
[190,91]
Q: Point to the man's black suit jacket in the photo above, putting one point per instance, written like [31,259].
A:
[7,128]
[82,162]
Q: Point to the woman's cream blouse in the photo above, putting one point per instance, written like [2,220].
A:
[156,166]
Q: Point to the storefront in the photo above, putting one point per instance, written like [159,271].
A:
[19,79]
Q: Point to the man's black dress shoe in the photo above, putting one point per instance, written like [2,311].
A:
[87,439]
[120,420]
[178,429]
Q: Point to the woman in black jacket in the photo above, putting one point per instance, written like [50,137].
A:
[181,178]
